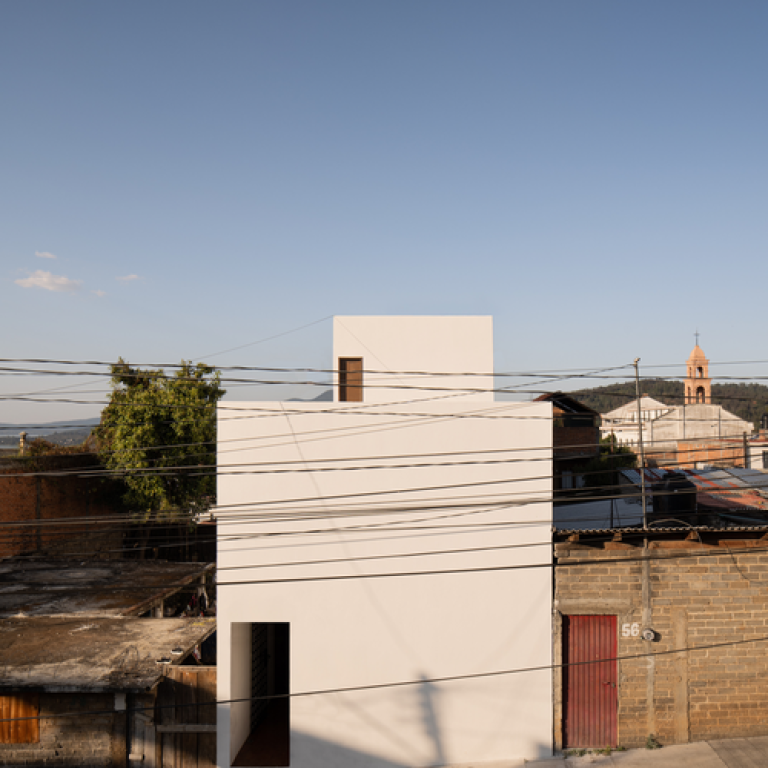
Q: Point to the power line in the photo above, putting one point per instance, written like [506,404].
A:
[402,683]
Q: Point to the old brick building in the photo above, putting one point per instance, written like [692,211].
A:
[91,671]
[678,618]
[54,504]
[575,438]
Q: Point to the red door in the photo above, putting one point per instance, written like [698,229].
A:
[590,695]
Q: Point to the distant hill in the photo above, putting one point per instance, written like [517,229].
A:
[747,401]
[71,432]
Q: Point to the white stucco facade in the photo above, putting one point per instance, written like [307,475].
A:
[419,357]
[663,426]
[406,539]
[622,422]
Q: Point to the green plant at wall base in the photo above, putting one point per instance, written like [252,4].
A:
[158,434]
[652,742]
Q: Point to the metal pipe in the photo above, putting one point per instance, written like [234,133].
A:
[640,435]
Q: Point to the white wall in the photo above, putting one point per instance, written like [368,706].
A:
[699,421]
[756,451]
[350,632]
[240,683]
[393,345]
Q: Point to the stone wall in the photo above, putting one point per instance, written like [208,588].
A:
[86,740]
[695,596]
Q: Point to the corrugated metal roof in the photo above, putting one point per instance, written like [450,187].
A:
[753,477]
[656,529]
[727,478]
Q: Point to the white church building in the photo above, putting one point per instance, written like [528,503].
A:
[664,426]
[384,561]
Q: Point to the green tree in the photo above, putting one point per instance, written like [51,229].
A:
[158,433]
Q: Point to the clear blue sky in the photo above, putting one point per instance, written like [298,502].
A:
[206,175]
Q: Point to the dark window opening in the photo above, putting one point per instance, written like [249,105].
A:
[351,379]
[269,740]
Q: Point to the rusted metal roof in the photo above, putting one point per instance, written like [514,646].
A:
[718,488]
[77,653]
[31,587]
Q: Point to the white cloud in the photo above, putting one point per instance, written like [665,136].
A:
[49,282]
[127,278]
[100,293]
[45,255]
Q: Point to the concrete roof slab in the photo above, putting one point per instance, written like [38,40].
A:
[77,653]
[31,587]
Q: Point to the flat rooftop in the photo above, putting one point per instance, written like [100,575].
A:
[32,587]
[94,654]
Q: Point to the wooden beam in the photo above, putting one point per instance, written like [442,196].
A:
[186,728]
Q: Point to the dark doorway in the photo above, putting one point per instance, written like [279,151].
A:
[269,740]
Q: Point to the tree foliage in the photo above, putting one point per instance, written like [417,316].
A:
[602,471]
[159,432]
[39,446]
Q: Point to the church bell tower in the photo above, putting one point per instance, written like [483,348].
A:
[698,385]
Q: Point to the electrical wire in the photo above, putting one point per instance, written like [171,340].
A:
[402,683]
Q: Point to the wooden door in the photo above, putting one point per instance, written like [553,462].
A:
[187,718]
[590,693]
[350,379]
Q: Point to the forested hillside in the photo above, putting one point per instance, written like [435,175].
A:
[747,401]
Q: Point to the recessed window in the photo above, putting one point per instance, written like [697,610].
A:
[351,379]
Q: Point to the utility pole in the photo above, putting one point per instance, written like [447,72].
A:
[640,434]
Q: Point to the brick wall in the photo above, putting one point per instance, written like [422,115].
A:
[35,496]
[84,740]
[720,453]
[710,597]
[576,442]
[690,454]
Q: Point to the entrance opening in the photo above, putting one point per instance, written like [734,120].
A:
[268,743]
[590,695]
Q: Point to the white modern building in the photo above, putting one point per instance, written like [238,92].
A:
[384,561]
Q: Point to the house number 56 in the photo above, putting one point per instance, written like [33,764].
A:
[630,630]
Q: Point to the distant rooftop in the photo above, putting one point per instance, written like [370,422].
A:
[31,587]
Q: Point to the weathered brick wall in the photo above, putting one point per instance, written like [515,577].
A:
[717,453]
[570,442]
[33,495]
[694,601]
[83,740]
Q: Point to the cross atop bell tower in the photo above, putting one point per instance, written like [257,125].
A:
[698,385]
